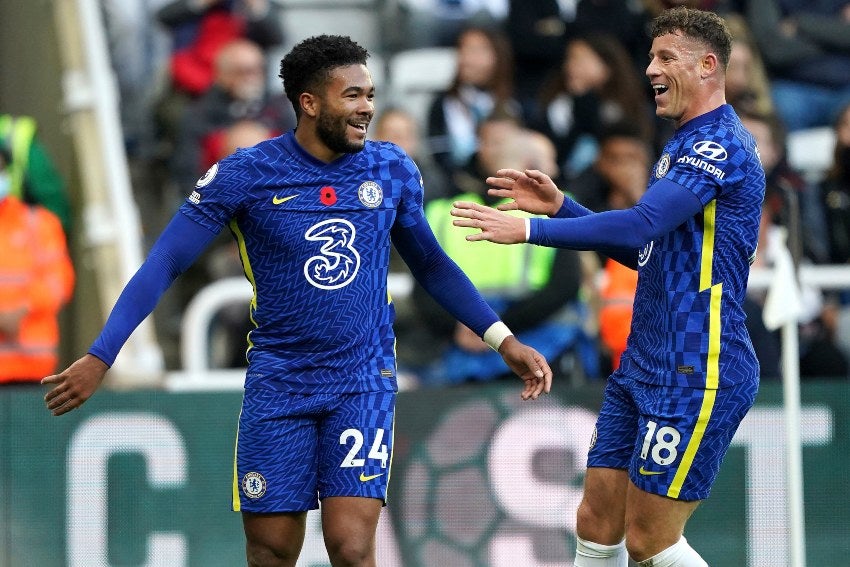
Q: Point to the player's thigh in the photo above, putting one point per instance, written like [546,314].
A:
[683,436]
[653,522]
[276,452]
[355,446]
[349,524]
[602,512]
[274,539]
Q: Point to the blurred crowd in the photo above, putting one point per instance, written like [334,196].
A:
[555,85]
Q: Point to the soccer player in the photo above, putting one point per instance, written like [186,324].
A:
[689,373]
[314,212]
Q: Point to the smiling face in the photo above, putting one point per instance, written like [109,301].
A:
[343,112]
[681,74]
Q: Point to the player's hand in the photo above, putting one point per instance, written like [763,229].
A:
[531,191]
[495,226]
[75,384]
[529,365]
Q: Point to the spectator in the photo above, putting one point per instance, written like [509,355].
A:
[33,177]
[835,198]
[835,193]
[239,93]
[618,176]
[530,288]
[36,280]
[400,127]
[791,201]
[747,87]
[538,32]
[596,85]
[616,180]
[139,50]
[791,207]
[482,85]
[624,19]
[201,28]
[540,153]
[820,356]
[427,23]
[806,48]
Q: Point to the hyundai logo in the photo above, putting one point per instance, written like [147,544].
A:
[710,150]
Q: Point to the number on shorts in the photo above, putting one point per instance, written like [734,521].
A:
[378,450]
[666,440]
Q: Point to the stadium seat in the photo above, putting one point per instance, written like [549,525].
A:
[305,18]
[416,75]
[810,151]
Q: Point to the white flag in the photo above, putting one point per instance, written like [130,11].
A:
[783,303]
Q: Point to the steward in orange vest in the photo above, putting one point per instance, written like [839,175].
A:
[617,292]
[36,281]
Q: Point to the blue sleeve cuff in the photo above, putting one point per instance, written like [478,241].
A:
[571,209]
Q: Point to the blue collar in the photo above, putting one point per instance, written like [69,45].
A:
[292,145]
[710,116]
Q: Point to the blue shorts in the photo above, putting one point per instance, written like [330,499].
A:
[671,439]
[293,449]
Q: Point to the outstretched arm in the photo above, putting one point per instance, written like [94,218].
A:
[534,192]
[445,281]
[180,244]
[665,206]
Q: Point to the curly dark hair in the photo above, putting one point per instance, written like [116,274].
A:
[307,67]
[706,27]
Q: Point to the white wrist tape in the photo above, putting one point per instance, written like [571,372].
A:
[495,334]
[527,229]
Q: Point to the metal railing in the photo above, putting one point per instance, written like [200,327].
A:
[196,373]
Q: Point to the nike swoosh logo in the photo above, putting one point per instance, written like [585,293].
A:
[645,472]
[364,478]
[278,200]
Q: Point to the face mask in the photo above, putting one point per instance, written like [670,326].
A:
[5,185]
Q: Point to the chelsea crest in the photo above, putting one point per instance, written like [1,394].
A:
[370,194]
[663,166]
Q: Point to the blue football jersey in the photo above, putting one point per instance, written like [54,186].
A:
[314,240]
[688,322]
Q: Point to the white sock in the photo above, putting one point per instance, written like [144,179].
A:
[680,554]
[589,554]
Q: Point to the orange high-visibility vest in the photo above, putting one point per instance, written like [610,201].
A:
[617,294]
[35,274]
